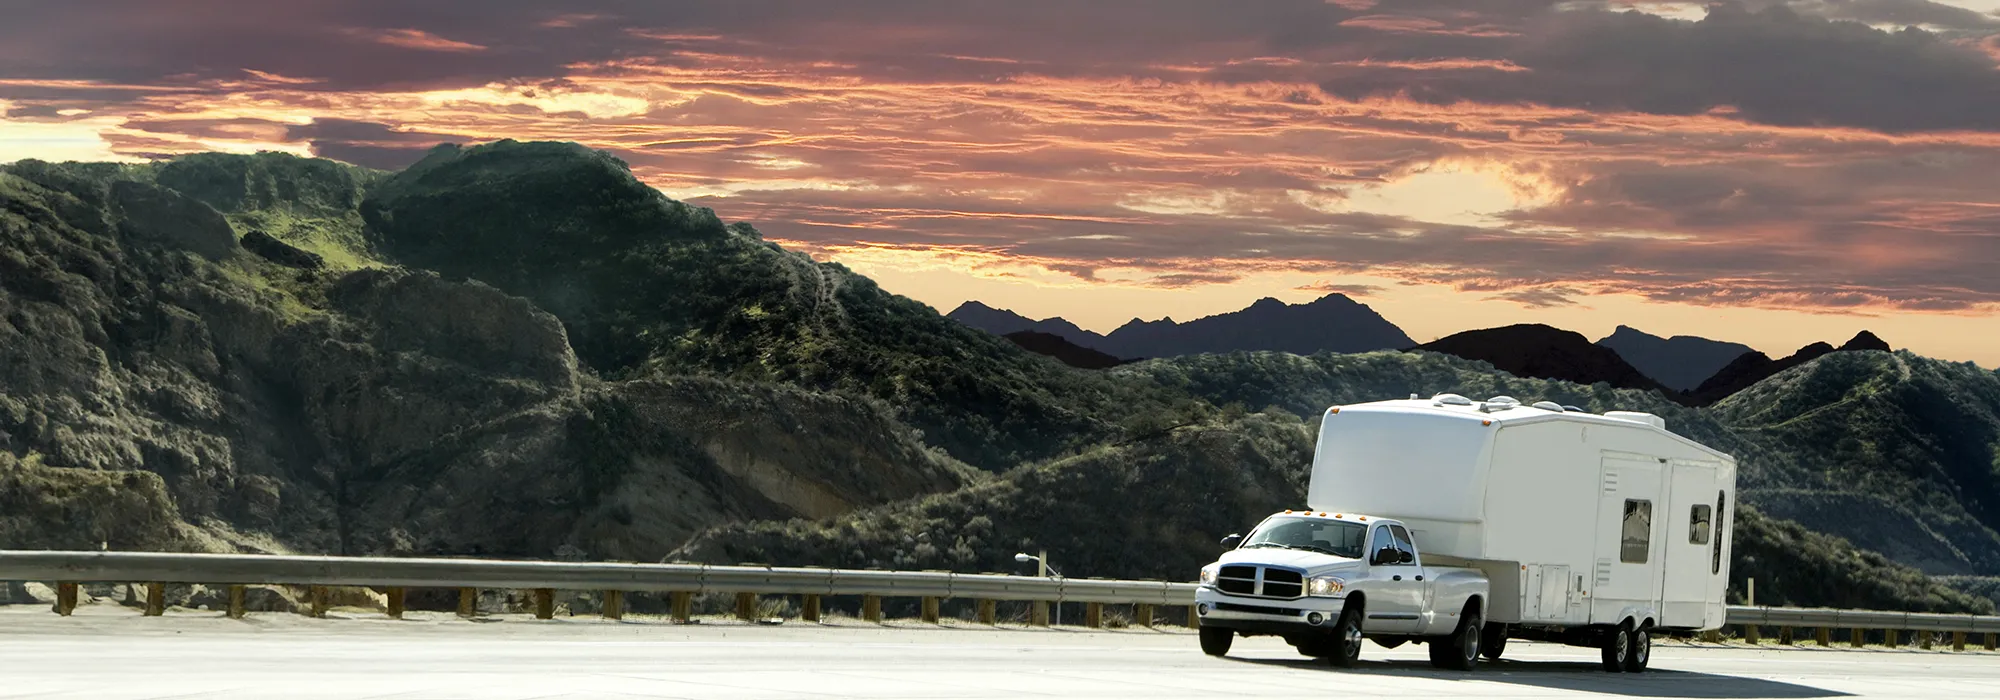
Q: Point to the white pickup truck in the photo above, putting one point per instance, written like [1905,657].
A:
[1323,581]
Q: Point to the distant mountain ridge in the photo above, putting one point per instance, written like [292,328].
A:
[1545,352]
[1680,363]
[1755,367]
[1333,323]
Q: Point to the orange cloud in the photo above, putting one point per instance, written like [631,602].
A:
[418,39]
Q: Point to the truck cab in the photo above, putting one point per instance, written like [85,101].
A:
[1324,581]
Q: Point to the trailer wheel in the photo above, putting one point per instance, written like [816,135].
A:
[1346,642]
[1460,651]
[1640,642]
[1493,640]
[1215,641]
[1618,648]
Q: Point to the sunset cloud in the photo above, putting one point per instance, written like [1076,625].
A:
[1811,155]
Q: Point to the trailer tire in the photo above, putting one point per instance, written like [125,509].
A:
[1617,648]
[1640,642]
[1346,642]
[1493,640]
[1460,650]
[1215,641]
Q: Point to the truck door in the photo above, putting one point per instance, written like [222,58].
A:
[1630,524]
[1685,549]
[1395,596]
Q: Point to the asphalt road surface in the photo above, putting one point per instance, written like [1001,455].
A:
[109,653]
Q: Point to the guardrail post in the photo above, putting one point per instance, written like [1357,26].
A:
[1858,637]
[396,598]
[1889,638]
[1038,613]
[810,608]
[1924,639]
[1958,641]
[545,603]
[1093,615]
[1824,636]
[236,608]
[746,606]
[614,605]
[683,603]
[989,612]
[871,608]
[1142,615]
[468,602]
[1194,620]
[1992,641]
[930,609]
[1750,634]
[320,600]
[156,599]
[1713,636]
[1785,636]
[65,598]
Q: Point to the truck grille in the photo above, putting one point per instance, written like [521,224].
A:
[1272,583]
[1258,609]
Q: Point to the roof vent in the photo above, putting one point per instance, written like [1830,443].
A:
[1573,409]
[1549,406]
[1450,400]
[1507,400]
[1638,417]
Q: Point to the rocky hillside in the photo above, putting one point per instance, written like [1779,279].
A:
[1750,368]
[517,349]
[368,409]
[1896,452]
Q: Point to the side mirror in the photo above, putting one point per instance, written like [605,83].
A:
[1406,557]
[1382,556]
[1231,540]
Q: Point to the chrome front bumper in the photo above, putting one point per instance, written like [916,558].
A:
[1265,615]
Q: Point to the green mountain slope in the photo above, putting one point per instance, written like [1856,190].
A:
[377,410]
[649,287]
[1896,452]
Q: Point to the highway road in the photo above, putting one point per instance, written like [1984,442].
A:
[112,653]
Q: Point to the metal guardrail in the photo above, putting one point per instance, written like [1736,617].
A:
[682,580]
[486,573]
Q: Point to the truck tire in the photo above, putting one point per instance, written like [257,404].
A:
[1493,640]
[1618,648]
[1640,642]
[1458,651]
[1215,641]
[1346,642]
[1318,647]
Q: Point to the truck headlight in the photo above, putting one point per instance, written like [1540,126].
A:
[1208,575]
[1326,586]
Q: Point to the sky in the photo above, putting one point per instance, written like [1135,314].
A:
[1770,172]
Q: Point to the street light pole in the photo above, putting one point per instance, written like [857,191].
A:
[1043,570]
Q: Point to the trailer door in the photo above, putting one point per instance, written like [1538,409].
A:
[1685,546]
[1630,525]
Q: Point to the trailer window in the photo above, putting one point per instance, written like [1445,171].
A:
[1716,565]
[1698,524]
[1638,532]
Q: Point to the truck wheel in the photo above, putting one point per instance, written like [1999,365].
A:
[1493,640]
[1460,650]
[1346,642]
[1640,642]
[1215,641]
[1618,648]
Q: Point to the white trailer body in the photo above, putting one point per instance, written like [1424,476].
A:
[1577,519]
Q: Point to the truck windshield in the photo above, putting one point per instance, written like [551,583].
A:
[1341,539]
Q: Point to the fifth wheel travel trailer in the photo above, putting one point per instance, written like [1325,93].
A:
[1593,530]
